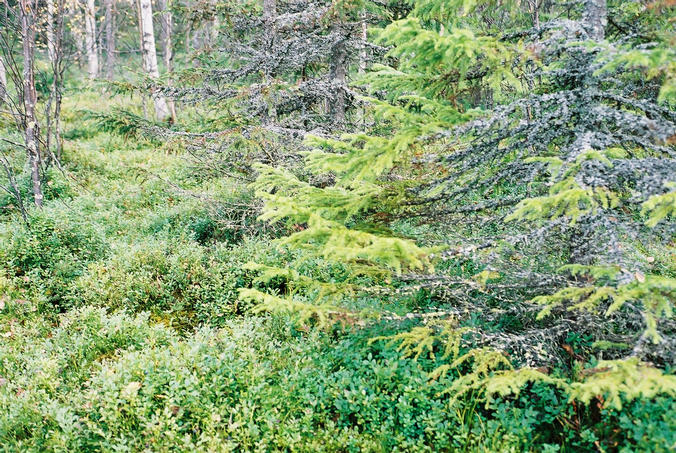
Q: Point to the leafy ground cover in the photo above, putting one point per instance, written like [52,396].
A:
[122,329]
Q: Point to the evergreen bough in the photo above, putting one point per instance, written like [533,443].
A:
[559,136]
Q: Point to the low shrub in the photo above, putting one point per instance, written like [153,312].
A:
[181,282]
[43,369]
[51,253]
[57,187]
[115,383]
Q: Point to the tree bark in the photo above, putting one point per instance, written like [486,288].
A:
[149,53]
[338,76]
[50,30]
[214,28]
[362,52]
[27,10]
[56,60]
[269,16]
[111,27]
[167,29]
[3,81]
[91,46]
[595,18]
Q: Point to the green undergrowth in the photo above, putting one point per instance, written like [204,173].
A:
[122,329]
[92,381]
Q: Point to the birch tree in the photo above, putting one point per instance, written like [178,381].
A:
[167,29]
[27,9]
[149,54]
[3,80]
[55,37]
[91,46]
[110,27]
[50,29]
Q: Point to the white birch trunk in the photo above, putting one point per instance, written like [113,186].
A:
[31,129]
[149,53]
[109,6]
[51,51]
[362,51]
[3,81]
[167,21]
[91,46]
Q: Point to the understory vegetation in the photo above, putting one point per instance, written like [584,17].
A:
[451,230]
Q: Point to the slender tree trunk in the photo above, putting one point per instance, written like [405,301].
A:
[188,40]
[196,44]
[91,46]
[362,51]
[363,60]
[14,187]
[56,95]
[534,10]
[595,18]
[215,26]
[167,29]
[3,81]
[150,55]
[51,54]
[51,9]
[144,105]
[269,16]
[100,46]
[338,75]
[110,25]
[27,9]
[81,48]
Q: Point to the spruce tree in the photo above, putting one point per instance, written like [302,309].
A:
[560,136]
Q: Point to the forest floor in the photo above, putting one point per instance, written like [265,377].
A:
[121,330]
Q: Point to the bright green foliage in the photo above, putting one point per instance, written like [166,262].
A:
[181,281]
[623,380]
[404,307]
[324,213]
[422,340]
[566,199]
[300,200]
[439,66]
[656,60]
[477,365]
[659,207]
[488,372]
[51,254]
[655,294]
[334,220]
[323,315]
[565,149]
[459,11]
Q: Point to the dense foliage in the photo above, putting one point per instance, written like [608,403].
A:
[421,225]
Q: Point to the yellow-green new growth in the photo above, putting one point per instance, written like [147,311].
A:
[659,207]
